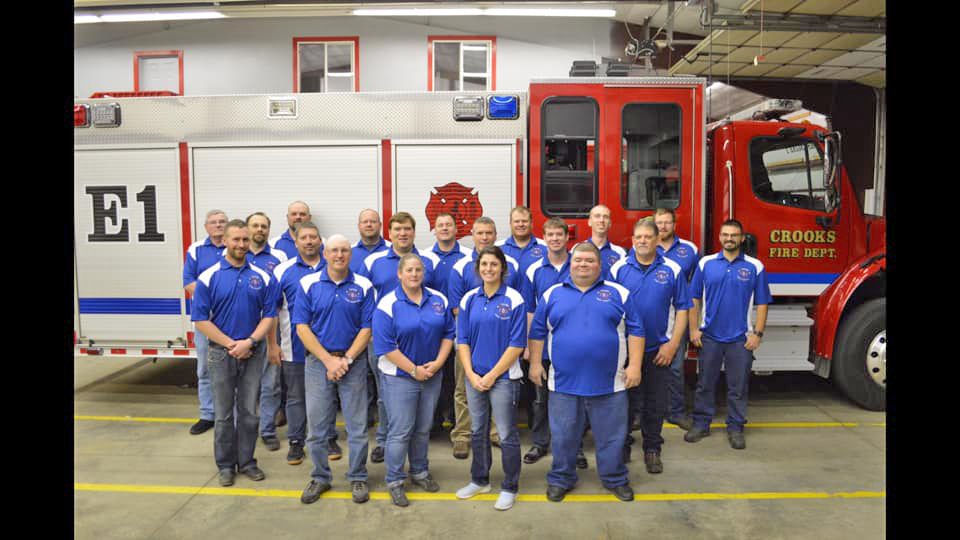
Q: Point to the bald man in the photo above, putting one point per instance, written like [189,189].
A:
[297,212]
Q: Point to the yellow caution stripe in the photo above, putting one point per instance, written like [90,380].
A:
[385,496]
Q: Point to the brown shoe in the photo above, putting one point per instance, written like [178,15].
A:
[653,463]
[461,449]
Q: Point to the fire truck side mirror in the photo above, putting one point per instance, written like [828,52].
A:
[749,245]
[831,170]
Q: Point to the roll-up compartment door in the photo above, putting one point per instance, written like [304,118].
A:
[128,245]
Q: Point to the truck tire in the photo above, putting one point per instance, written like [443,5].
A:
[860,355]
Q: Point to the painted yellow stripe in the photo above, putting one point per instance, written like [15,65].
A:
[524,426]
[290,494]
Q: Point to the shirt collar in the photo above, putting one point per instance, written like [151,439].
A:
[325,276]
[393,254]
[546,260]
[658,259]
[601,248]
[225,264]
[402,295]
[500,291]
[379,244]
[301,262]
[455,249]
[569,281]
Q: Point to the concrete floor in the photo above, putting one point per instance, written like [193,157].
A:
[137,478]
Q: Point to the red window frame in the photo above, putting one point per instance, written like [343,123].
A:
[356,57]
[493,56]
[137,55]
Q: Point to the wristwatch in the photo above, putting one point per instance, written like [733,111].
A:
[758,334]
[254,341]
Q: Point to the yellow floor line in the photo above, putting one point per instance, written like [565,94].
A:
[523,426]
[290,494]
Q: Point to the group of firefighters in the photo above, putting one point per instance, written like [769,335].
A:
[600,332]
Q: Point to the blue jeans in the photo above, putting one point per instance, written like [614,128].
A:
[380,437]
[539,421]
[649,401]
[677,407]
[235,383]
[204,387]
[269,399]
[502,400]
[322,411]
[410,405]
[736,361]
[607,415]
[296,408]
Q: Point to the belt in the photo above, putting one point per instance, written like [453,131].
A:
[337,353]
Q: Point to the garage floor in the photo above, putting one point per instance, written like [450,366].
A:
[814,467]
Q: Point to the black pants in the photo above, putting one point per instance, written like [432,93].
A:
[649,402]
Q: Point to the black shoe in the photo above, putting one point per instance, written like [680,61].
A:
[254,473]
[636,425]
[534,455]
[281,418]
[360,491]
[295,455]
[653,463]
[376,455]
[226,477]
[271,442]
[556,493]
[624,492]
[683,422]
[427,483]
[399,495]
[313,491]
[581,461]
[201,426]
[737,441]
[694,434]
[333,450]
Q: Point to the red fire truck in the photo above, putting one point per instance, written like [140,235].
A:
[148,168]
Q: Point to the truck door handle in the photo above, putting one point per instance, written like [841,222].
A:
[730,183]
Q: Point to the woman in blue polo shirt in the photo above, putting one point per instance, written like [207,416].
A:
[491,335]
[413,333]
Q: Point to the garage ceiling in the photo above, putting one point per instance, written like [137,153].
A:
[779,39]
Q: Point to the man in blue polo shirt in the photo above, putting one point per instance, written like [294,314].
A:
[200,256]
[381,269]
[656,284]
[686,254]
[579,320]
[288,275]
[333,315]
[449,251]
[297,212]
[235,307]
[522,245]
[266,259]
[599,222]
[727,285]
[463,277]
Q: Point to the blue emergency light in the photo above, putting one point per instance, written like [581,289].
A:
[503,107]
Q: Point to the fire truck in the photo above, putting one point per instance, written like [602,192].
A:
[147,169]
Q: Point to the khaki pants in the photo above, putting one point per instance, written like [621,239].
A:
[461,427]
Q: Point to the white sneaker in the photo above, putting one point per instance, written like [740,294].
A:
[505,501]
[472,489]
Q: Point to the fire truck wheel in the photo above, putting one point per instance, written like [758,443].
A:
[860,355]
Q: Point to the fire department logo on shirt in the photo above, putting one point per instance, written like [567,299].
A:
[744,274]
[352,295]
[682,251]
[603,295]
[460,201]
[256,282]
[612,259]
[661,277]
[503,311]
[437,308]
[536,252]
[270,266]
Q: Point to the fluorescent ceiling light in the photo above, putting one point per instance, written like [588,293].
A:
[161,16]
[550,12]
[417,12]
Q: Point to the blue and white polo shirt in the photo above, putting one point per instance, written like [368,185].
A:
[447,260]
[584,335]
[729,290]
[359,253]
[683,252]
[381,269]
[415,329]
[267,259]
[288,275]
[525,256]
[234,299]
[336,312]
[284,243]
[610,253]
[659,291]
[201,255]
[463,277]
[540,276]
[491,324]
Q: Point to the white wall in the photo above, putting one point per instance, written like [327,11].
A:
[254,56]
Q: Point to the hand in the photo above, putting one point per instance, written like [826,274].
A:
[336,368]
[431,368]
[536,373]
[753,341]
[696,337]
[665,354]
[241,348]
[274,355]
[488,380]
[632,375]
[526,354]
[476,382]
[421,374]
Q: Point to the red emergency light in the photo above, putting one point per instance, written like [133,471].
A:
[81,115]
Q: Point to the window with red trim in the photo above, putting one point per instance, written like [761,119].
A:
[461,63]
[326,64]
[157,70]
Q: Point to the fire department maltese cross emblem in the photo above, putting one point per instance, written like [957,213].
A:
[460,201]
